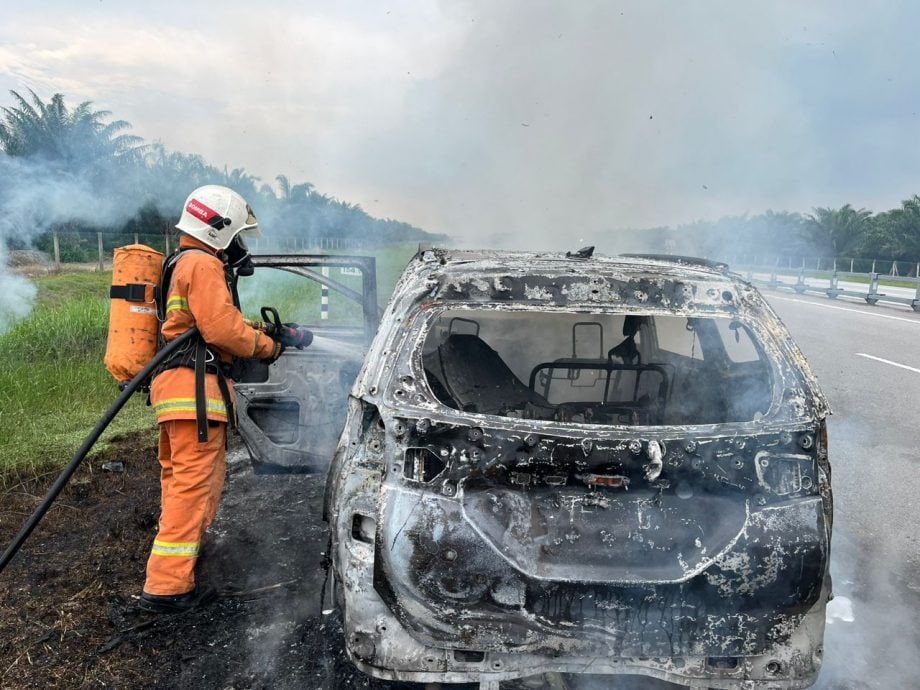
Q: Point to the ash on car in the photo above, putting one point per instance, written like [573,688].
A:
[576,464]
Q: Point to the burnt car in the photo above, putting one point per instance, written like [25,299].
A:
[568,464]
[290,413]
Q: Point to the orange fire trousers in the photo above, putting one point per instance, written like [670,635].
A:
[191,481]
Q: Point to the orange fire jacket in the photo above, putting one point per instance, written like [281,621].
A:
[198,296]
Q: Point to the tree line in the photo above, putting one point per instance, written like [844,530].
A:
[76,171]
[830,233]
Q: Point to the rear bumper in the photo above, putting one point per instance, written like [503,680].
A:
[755,615]
[380,646]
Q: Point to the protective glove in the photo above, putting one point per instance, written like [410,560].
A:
[276,353]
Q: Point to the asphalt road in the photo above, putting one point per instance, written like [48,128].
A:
[867,360]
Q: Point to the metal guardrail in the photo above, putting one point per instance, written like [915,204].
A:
[831,287]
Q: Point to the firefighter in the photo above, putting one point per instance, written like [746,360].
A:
[191,396]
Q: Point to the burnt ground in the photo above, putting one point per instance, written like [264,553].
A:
[67,602]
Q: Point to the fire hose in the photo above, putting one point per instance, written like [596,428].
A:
[88,443]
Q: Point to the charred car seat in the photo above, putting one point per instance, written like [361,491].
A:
[474,378]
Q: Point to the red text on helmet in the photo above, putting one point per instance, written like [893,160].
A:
[197,208]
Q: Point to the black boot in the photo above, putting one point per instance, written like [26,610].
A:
[176,603]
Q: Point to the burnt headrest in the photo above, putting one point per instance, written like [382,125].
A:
[631,324]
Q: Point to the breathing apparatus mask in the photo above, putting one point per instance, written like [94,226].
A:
[238,257]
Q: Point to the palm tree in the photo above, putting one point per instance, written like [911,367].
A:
[897,232]
[842,231]
[241,181]
[54,132]
[293,193]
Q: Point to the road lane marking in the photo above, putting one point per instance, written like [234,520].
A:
[916,322]
[887,361]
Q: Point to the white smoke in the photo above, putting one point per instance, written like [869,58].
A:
[17,295]
[37,195]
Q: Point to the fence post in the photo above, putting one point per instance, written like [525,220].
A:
[136,239]
[324,296]
[99,241]
[873,266]
[872,295]
[57,249]
[851,265]
[166,235]
[915,302]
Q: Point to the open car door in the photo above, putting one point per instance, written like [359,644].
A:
[291,412]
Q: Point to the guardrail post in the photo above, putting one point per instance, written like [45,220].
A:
[774,283]
[800,286]
[834,289]
[872,295]
[915,302]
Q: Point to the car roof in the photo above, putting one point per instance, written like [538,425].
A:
[455,262]
[569,278]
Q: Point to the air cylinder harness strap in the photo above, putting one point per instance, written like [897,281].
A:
[195,355]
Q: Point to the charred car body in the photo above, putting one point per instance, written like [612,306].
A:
[557,463]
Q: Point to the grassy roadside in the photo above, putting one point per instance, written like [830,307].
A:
[54,386]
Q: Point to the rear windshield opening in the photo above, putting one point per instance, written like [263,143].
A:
[643,370]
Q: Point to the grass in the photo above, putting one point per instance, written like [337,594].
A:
[53,384]
[298,300]
[54,387]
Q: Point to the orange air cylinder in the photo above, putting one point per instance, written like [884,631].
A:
[133,325]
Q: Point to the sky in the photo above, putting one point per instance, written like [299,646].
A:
[507,123]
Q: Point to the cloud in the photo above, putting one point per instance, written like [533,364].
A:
[509,122]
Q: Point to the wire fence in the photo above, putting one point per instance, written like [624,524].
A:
[886,267]
[85,247]
[62,247]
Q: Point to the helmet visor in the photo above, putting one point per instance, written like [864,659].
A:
[250,228]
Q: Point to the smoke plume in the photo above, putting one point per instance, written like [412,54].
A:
[37,195]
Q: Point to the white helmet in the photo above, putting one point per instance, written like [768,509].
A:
[215,215]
